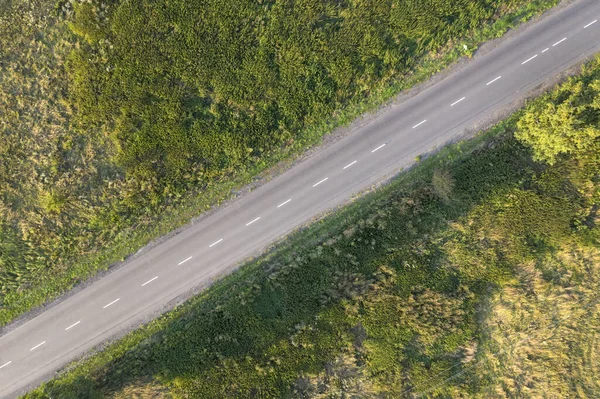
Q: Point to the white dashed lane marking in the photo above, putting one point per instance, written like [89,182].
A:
[215,243]
[314,185]
[112,303]
[457,101]
[350,164]
[283,203]
[559,42]
[183,261]
[319,182]
[149,281]
[492,81]
[529,59]
[252,221]
[37,346]
[72,325]
[419,124]
[378,148]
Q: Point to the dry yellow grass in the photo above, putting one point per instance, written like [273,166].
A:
[543,330]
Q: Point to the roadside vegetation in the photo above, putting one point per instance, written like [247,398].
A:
[121,120]
[475,274]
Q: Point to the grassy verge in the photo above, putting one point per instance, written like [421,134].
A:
[146,229]
[473,275]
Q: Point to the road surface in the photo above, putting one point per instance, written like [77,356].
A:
[329,178]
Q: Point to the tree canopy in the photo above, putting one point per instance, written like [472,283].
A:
[567,122]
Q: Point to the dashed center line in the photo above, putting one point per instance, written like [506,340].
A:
[72,325]
[316,184]
[319,182]
[252,221]
[529,59]
[350,164]
[492,81]
[215,243]
[149,281]
[456,102]
[378,148]
[419,124]
[112,303]
[37,346]
[559,42]
[283,203]
[183,261]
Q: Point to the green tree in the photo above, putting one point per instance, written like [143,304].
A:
[566,123]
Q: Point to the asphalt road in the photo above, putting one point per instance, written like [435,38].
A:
[327,179]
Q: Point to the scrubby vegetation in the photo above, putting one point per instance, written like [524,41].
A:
[114,112]
[217,86]
[474,275]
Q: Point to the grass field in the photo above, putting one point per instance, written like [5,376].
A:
[476,274]
[108,143]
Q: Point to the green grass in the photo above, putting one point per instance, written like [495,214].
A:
[479,282]
[255,309]
[74,213]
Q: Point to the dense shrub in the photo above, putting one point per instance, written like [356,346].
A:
[190,91]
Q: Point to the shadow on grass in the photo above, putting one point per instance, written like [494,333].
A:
[241,318]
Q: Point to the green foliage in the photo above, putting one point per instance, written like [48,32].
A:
[80,387]
[53,201]
[392,297]
[18,261]
[107,142]
[443,183]
[206,89]
[567,121]
[491,292]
